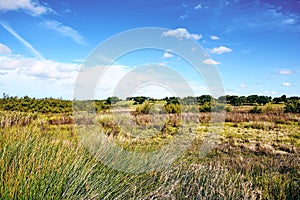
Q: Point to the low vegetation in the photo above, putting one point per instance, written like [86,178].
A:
[255,156]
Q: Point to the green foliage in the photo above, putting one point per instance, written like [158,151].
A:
[144,108]
[255,109]
[27,104]
[50,105]
[206,107]
[281,99]
[292,106]
[212,107]
[228,108]
[189,100]
[204,99]
[112,100]
[235,100]
[173,108]
[39,160]
[172,100]
[268,107]
[138,99]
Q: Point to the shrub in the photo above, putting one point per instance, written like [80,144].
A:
[144,108]
[292,106]
[218,107]
[206,107]
[211,107]
[268,107]
[255,109]
[228,109]
[173,108]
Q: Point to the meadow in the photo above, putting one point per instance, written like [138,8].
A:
[255,156]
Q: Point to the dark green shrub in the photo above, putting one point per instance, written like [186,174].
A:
[255,109]
[206,107]
[211,107]
[292,106]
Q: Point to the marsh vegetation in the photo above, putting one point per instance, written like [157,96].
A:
[256,154]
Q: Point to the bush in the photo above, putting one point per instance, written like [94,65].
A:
[228,109]
[255,109]
[268,107]
[173,108]
[292,106]
[211,107]
[206,107]
[144,108]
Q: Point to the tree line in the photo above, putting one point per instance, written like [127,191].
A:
[59,105]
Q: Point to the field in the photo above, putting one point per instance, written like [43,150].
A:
[255,156]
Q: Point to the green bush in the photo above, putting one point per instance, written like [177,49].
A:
[228,108]
[173,108]
[211,107]
[292,106]
[206,107]
[144,108]
[255,109]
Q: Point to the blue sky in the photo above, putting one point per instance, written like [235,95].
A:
[255,45]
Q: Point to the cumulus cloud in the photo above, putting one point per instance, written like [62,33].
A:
[286,84]
[181,33]
[286,72]
[33,7]
[214,37]
[168,55]
[48,69]
[210,61]
[65,31]
[4,49]
[41,69]
[221,50]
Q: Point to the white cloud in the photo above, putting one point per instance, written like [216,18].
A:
[181,33]
[286,72]
[33,7]
[168,55]
[193,49]
[214,37]
[78,60]
[286,84]
[289,21]
[11,63]
[182,17]
[65,31]
[23,41]
[41,69]
[221,50]
[3,73]
[4,49]
[243,85]
[269,92]
[274,18]
[52,70]
[210,61]
[199,6]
